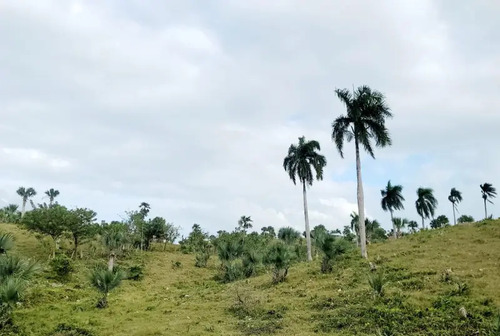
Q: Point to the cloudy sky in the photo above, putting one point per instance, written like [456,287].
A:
[191,105]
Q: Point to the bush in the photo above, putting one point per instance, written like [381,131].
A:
[62,266]
[279,258]
[68,330]
[232,270]
[251,261]
[201,259]
[176,264]
[135,272]
[332,248]
[377,281]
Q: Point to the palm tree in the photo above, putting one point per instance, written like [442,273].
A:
[455,198]
[426,203]
[392,199]
[105,281]
[399,224]
[52,194]
[26,194]
[355,226]
[364,121]
[413,226]
[6,242]
[488,192]
[298,163]
[144,209]
[245,223]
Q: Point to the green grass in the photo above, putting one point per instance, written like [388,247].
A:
[420,297]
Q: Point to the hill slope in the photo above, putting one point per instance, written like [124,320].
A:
[423,297]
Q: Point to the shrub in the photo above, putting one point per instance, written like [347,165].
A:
[232,270]
[176,264]
[279,258]
[62,266]
[6,242]
[251,261]
[105,281]
[135,272]
[68,330]
[377,281]
[332,248]
[201,258]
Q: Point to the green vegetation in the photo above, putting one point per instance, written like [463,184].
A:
[488,192]
[422,294]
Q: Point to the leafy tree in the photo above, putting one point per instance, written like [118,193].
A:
[52,194]
[144,209]
[332,247]
[455,198]
[364,121]
[80,224]
[279,258]
[413,226]
[348,235]
[196,240]
[154,228]
[318,234]
[170,235]
[440,221]
[298,163]
[268,231]
[399,224]
[26,194]
[426,204]
[244,223]
[392,199]
[374,231]
[288,235]
[9,214]
[465,219]
[51,221]
[105,280]
[488,192]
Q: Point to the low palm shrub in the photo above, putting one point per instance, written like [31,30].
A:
[105,281]
[279,258]
[377,281]
[332,247]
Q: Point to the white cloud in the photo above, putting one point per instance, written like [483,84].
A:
[192,106]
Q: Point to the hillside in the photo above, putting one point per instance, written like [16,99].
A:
[423,297]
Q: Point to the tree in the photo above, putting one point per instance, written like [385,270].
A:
[413,226]
[268,231]
[244,223]
[439,222]
[455,198]
[51,221]
[279,257]
[488,192]
[144,209]
[80,226]
[26,194]
[364,121]
[9,214]
[392,199]
[105,280]
[465,219]
[114,236]
[52,194]
[298,163]
[399,224]
[426,203]
[154,228]
[288,235]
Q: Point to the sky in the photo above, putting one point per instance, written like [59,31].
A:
[191,105]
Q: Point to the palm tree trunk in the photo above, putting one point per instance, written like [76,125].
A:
[485,210]
[361,204]
[111,262]
[23,210]
[394,233]
[423,225]
[454,216]
[75,252]
[306,217]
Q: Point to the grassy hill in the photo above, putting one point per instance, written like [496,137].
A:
[440,282]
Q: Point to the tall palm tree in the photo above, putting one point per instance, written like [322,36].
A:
[298,163]
[426,203]
[392,199]
[26,194]
[364,121]
[245,223]
[488,191]
[455,198]
[52,194]
[144,209]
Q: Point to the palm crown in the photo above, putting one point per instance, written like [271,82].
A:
[488,192]
[365,119]
[426,203]
[301,158]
